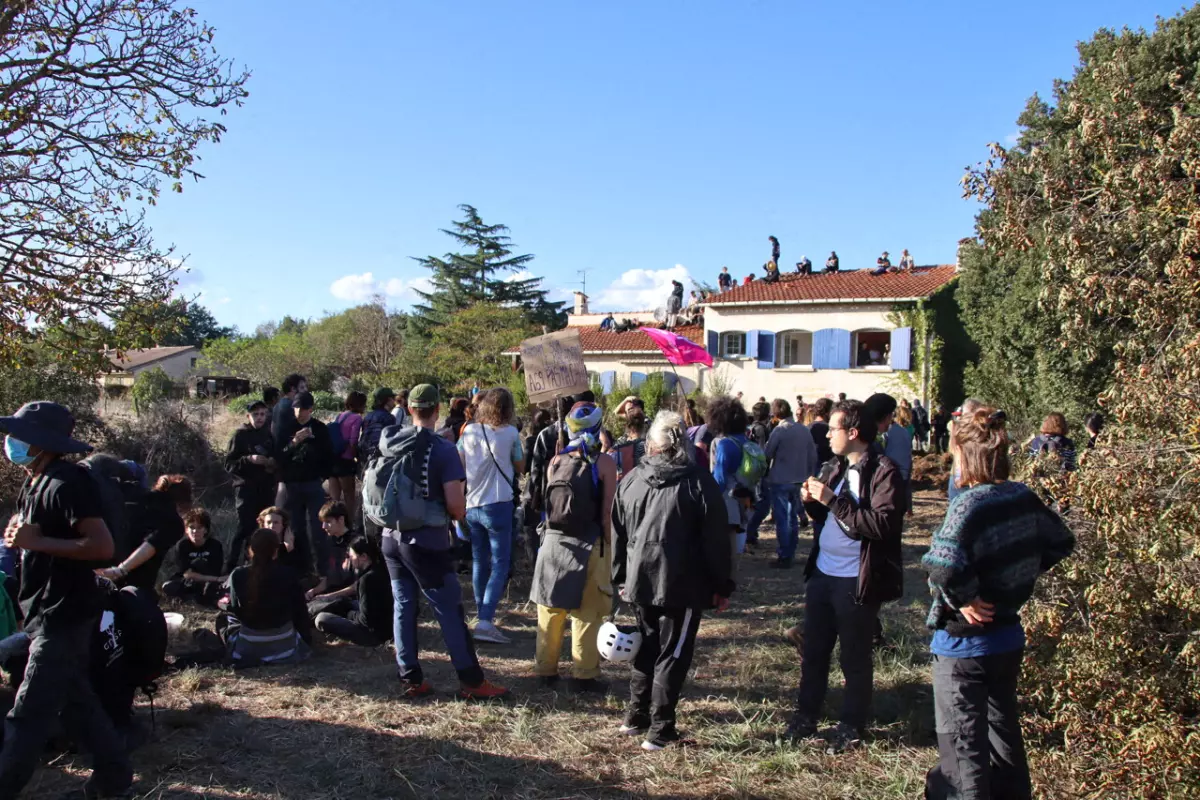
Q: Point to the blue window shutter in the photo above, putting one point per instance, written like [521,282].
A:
[636,379]
[607,380]
[713,337]
[822,349]
[841,349]
[752,344]
[902,348]
[766,350]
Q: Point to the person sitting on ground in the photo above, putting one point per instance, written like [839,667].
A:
[365,617]
[832,263]
[1053,441]
[419,560]
[804,266]
[338,581]
[608,323]
[266,621]
[572,576]
[772,270]
[854,566]
[198,561]
[984,561]
[906,262]
[158,522]
[724,280]
[277,519]
[882,264]
[671,561]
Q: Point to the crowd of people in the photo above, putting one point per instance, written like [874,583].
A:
[772,273]
[652,522]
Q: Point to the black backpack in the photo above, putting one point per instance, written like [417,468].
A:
[120,496]
[573,497]
[129,650]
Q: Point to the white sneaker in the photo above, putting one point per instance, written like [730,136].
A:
[630,730]
[488,632]
[651,747]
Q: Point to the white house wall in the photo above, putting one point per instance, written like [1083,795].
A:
[625,365]
[744,375]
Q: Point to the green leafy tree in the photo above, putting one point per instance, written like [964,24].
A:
[485,271]
[1092,219]
[150,387]
[471,344]
[102,104]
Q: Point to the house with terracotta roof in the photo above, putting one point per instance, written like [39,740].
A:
[182,365]
[820,335]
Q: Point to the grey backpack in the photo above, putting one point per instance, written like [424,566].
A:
[395,491]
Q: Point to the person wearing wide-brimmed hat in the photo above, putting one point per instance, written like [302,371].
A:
[60,529]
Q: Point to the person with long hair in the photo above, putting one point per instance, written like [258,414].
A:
[572,576]
[493,458]
[671,561]
[997,539]
[277,519]
[366,618]
[266,620]
[343,475]
[158,521]
[456,419]
[727,422]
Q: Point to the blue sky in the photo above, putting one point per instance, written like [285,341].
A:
[638,140]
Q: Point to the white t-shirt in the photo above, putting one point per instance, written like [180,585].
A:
[489,481]
[839,553]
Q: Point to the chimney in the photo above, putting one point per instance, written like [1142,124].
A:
[580,303]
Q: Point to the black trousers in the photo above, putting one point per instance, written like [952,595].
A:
[249,500]
[660,668]
[981,753]
[831,615]
[203,592]
[347,627]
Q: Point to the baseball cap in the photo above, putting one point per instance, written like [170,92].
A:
[382,395]
[424,395]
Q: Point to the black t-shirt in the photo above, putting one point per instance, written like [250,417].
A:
[56,592]
[205,559]
[338,577]
[375,601]
[158,525]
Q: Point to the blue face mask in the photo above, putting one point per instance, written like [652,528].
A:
[18,452]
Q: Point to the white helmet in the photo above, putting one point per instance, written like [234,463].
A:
[618,643]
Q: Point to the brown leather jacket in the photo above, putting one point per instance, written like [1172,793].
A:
[875,519]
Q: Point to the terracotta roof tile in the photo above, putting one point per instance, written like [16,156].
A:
[140,358]
[857,284]
[595,340]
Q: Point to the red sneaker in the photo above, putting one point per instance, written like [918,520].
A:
[415,690]
[484,691]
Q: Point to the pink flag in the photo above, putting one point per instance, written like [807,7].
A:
[677,349]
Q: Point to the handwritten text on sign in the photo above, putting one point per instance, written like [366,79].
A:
[554,366]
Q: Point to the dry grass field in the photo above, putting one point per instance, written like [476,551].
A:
[335,726]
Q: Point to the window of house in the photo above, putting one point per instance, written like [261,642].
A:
[793,349]
[733,344]
[872,348]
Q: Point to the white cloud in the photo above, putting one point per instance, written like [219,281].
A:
[1011,139]
[520,275]
[361,288]
[640,289]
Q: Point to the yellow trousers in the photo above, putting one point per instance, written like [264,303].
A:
[585,623]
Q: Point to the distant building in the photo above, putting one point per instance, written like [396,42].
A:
[811,335]
[182,364]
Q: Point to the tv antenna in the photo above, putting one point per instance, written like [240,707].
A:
[583,273]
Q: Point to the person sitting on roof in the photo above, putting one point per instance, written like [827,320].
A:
[804,266]
[772,272]
[608,323]
[882,264]
[906,262]
[832,263]
[749,279]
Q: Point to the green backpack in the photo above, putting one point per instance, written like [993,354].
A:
[754,465]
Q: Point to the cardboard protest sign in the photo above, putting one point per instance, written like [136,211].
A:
[554,365]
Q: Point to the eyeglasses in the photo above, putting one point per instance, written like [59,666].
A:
[839,428]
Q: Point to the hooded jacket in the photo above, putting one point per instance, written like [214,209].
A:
[671,544]
[875,519]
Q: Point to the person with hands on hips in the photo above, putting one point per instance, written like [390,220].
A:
[854,566]
[671,561]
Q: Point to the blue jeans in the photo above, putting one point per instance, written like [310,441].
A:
[417,571]
[491,529]
[759,512]
[785,505]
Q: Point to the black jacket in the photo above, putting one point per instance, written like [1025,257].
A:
[279,599]
[311,460]
[250,441]
[875,519]
[671,543]
[375,601]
